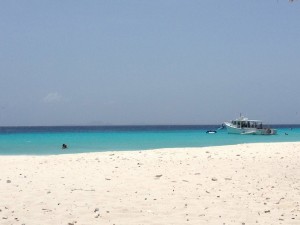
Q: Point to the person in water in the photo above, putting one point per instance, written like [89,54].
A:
[64,146]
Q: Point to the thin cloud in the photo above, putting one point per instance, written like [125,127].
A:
[52,97]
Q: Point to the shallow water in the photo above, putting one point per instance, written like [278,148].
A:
[48,140]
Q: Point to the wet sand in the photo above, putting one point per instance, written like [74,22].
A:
[238,184]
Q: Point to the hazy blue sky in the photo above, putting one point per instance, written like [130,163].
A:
[148,62]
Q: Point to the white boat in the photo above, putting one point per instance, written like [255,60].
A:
[243,125]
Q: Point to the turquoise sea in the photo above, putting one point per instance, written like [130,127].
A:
[49,140]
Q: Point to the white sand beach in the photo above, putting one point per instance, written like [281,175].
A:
[239,184]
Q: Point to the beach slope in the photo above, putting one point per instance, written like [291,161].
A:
[237,184]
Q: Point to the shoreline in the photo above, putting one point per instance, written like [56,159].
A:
[65,151]
[252,183]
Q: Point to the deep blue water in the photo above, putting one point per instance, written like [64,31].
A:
[48,140]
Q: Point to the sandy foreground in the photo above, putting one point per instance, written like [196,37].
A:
[239,184]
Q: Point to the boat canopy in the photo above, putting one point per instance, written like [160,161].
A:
[245,123]
[246,119]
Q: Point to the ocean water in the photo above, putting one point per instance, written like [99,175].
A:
[48,140]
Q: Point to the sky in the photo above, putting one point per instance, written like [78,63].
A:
[141,62]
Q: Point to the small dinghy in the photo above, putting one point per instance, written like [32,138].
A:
[211,132]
